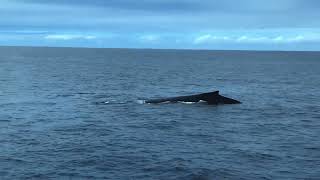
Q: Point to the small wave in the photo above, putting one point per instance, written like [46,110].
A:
[141,101]
[84,93]
[107,102]
[64,95]
[102,102]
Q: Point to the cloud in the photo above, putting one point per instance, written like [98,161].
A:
[210,38]
[68,37]
[262,39]
[23,32]
[149,38]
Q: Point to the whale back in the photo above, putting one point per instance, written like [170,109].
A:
[213,98]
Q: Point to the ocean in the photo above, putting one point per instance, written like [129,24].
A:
[77,113]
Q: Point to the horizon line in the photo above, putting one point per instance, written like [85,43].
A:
[174,49]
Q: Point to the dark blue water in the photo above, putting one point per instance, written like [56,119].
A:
[68,113]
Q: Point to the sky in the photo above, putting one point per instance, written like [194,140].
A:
[169,24]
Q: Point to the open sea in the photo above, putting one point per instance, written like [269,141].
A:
[76,113]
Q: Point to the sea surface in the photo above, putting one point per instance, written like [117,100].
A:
[76,113]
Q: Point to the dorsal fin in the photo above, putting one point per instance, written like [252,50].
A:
[216,92]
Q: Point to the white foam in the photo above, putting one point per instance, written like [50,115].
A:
[165,102]
[187,102]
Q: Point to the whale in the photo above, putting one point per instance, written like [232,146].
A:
[212,98]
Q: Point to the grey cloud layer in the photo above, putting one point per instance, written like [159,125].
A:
[183,5]
[159,15]
[217,24]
